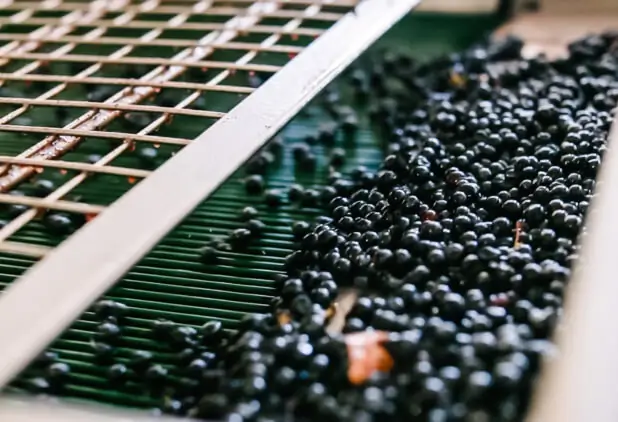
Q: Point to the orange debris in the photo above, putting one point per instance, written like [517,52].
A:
[367,355]
[284,318]
[517,243]
[332,311]
[457,80]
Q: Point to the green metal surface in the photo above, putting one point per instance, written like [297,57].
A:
[170,282]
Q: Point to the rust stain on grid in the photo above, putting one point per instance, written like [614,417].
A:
[41,38]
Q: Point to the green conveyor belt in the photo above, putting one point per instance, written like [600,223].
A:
[170,282]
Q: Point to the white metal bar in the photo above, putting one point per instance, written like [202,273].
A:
[68,279]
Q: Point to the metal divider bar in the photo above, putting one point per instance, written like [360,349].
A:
[92,133]
[189,26]
[71,165]
[76,207]
[26,249]
[167,10]
[86,58]
[160,42]
[125,82]
[111,106]
[73,275]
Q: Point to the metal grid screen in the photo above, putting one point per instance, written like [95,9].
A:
[132,74]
